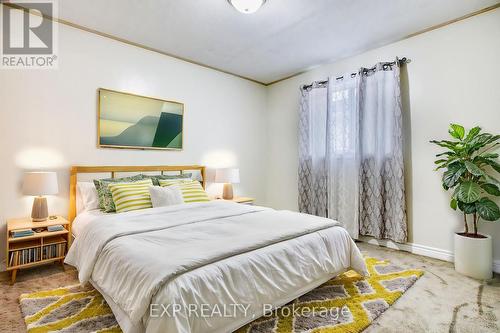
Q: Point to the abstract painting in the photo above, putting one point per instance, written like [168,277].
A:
[133,121]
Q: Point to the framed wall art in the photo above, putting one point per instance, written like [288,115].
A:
[131,121]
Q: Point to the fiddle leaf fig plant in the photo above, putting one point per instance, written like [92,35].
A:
[470,165]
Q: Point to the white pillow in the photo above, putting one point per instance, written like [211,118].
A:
[165,196]
[88,196]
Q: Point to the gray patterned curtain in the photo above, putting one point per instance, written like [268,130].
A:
[351,152]
[382,193]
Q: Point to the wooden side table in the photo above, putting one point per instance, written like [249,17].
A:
[241,200]
[43,247]
[244,200]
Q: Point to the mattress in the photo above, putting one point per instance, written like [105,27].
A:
[269,274]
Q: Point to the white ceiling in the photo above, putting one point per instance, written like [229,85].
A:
[284,37]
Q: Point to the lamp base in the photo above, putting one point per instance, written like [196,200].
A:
[39,212]
[227,192]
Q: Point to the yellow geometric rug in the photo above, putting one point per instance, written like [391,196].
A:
[347,304]
[69,309]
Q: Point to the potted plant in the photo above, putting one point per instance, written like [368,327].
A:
[469,162]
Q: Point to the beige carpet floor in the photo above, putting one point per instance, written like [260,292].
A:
[441,301]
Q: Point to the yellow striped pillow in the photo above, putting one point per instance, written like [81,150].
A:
[131,196]
[192,191]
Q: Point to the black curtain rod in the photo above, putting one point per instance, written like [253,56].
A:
[401,61]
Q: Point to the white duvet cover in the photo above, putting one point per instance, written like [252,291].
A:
[84,218]
[213,254]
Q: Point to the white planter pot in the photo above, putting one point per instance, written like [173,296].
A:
[474,256]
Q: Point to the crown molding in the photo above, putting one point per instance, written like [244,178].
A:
[128,42]
[420,32]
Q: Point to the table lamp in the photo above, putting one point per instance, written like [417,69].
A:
[228,176]
[39,184]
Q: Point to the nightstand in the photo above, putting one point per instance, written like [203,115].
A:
[241,200]
[244,200]
[43,247]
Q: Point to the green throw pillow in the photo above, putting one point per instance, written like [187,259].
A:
[131,196]
[191,190]
[156,178]
[105,197]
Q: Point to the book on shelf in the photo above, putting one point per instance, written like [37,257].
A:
[23,257]
[53,251]
[22,233]
[57,227]
[34,254]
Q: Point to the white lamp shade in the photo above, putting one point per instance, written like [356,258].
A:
[40,183]
[227,175]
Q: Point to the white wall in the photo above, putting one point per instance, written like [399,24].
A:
[48,117]
[453,77]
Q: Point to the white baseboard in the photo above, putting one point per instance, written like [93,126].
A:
[422,250]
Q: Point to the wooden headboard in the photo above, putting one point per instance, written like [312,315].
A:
[112,170]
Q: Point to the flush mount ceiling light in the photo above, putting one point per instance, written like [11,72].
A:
[247,6]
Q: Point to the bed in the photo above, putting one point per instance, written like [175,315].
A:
[203,267]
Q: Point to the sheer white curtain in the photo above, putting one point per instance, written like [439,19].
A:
[343,154]
[312,151]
